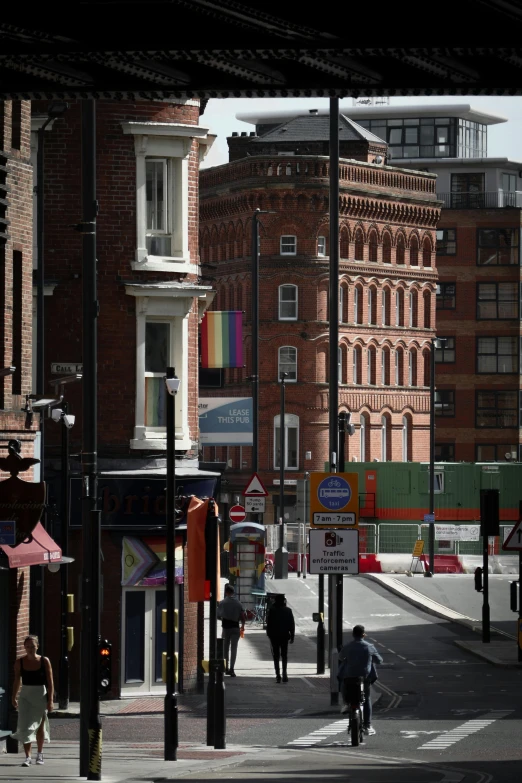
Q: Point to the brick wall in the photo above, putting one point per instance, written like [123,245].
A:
[388,219]
[462,323]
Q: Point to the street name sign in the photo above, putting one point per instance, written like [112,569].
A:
[255,505]
[334,500]
[255,487]
[237,514]
[514,540]
[334,551]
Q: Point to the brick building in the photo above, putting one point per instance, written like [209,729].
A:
[15,352]
[151,299]
[387,289]
[478,257]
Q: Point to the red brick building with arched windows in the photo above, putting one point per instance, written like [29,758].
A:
[387,289]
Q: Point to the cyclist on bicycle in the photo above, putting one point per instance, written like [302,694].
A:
[358,659]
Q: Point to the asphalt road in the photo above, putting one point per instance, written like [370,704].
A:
[443,715]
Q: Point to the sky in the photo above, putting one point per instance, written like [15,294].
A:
[504,140]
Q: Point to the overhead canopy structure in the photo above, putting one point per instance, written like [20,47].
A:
[38,549]
[231,48]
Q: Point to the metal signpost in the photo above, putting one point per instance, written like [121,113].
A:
[334,552]
[334,500]
[513,543]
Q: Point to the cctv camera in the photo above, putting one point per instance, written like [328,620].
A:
[56,414]
[172,385]
[69,420]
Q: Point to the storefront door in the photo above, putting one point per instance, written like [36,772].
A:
[142,640]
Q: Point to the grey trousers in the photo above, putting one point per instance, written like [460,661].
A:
[230,638]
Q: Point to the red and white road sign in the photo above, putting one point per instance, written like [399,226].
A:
[514,539]
[237,514]
[255,487]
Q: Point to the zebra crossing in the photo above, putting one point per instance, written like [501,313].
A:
[449,738]
[317,736]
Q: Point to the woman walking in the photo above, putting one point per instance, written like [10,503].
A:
[35,675]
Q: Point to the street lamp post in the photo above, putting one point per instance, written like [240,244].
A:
[281,555]
[435,343]
[67,422]
[171,697]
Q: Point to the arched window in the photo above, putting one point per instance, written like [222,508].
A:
[427,367]
[358,304]
[343,364]
[384,438]
[372,250]
[385,367]
[414,251]
[372,366]
[386,248]
[414,308]
[385,299]
[359,245]
[399,307]
[399,367]
[362,437]
[342,298]
[288,303]
[291,456]
[372,306]
[427,309]
[287,362]
[426,252]
[405,439]
[412,368]
[357,364]
[399,250]
[345,243]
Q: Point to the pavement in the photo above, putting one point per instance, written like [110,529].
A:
[422,592]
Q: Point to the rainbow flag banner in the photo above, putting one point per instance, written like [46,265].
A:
[222,339]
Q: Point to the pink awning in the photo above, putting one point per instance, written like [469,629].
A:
[41,550]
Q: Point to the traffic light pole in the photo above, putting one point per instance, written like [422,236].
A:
[431,528]
[171,696]
[63,692]
[335,602]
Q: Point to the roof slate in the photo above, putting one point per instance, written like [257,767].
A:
[316,127]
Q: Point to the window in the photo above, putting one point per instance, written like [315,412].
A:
[158,208]
[444,452]
[497,354]
[357,364]
[340,365]
[291,441]
[444,402]
[359,245]
[288,245]
[16,124]
[341,304]
[357,305]
[497,409]
[288,303]
[498,247]
[496,452]
[372,247]
[412,368]
[385,367]
[509,183]
[399,307]
[372,366]
[405,439]
[372,306]
[157,359]
[426,301]
[386,248]
[399,366]
[287,362]
[467,191]
[384,438]
[445,350]
[446,241]
[438,481]
[446,296]
[426,253]
[321,246]
[399,250]
[414,308]
[385,307]
[414,251]
[362,439]
[497,301]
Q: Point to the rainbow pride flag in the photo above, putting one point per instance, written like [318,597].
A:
[222,339]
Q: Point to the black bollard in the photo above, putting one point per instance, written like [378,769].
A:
[220,717]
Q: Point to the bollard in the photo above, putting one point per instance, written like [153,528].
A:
[318,618]
[334,684]
[220,716]
[211,689]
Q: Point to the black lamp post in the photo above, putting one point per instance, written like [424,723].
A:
[281,555]
[435,343]
[171,697]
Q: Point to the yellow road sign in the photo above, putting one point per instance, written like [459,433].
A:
[334,500]
[418,548]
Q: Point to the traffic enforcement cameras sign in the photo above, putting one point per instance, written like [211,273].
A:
[334,500]
[334,551]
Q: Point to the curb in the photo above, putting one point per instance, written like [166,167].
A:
[487,656]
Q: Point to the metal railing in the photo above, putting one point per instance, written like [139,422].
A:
[492,199]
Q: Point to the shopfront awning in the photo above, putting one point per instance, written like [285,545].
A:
[39,550]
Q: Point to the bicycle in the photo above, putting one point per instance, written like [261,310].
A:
[354,693]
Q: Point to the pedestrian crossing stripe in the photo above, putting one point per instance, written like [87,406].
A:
[449,738]
[315,737]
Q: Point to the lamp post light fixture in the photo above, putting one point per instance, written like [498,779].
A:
[172,384]
[62,416]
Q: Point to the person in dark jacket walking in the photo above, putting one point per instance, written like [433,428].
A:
[280,629]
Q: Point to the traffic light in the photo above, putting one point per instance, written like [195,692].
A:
[513,596]
[489,512]
[105,666]
[345,424]
[478,579]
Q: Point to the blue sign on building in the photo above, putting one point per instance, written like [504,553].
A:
[225,421]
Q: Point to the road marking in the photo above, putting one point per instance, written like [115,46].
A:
[416,734]
[315,737]
[465,730]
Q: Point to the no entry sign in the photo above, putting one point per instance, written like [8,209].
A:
[237,514]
